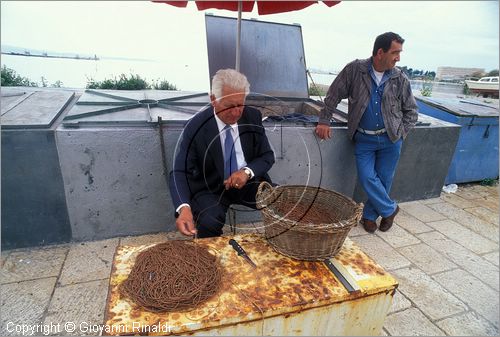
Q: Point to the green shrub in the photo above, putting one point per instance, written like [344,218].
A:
[427,87]
[164,85]
[11,79]
[316,91]
[134,82]
[124,82]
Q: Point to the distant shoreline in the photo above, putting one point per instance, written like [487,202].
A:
[76,57]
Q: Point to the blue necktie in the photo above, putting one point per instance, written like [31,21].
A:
[230,164]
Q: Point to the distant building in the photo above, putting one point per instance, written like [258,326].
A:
[455,73]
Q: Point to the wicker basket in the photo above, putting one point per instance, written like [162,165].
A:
[305,222]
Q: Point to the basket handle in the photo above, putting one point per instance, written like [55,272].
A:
[263,191]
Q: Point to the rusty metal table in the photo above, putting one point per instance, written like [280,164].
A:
[282,296]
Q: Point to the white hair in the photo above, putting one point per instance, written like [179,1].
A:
[229,78]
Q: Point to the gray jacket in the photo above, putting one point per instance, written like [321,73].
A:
[399,109]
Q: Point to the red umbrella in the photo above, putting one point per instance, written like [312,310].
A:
[264,7]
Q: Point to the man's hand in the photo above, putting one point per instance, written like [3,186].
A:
[184,221]
[323,131]
[236,180]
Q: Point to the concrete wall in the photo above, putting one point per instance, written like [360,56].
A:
[34,208]
[114,181]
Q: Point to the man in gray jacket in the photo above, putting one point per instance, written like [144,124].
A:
[382,110]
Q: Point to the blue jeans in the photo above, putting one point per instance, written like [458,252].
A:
[376,161]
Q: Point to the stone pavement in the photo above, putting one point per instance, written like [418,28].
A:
[443,251]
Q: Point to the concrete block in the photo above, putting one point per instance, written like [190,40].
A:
[422,212]
[379,251]
[469,261]
[468,220]
[24,303]
[88,261]
[467,324]
[399,302]
[427,259]
[82,303]
[411,322]
[427,294]
[410,223]
[114,181]
[472,291]
[398,237]
[33,264]
[464,236]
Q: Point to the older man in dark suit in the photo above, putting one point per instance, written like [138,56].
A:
[222,156]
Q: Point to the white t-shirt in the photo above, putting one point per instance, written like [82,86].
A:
[378,76]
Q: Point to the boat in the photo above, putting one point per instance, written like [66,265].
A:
[485,86]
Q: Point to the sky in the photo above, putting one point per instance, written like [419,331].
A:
[437,33]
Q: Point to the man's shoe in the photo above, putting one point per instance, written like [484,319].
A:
[369,226]
[386,223]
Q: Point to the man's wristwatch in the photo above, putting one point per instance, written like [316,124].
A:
[248,172]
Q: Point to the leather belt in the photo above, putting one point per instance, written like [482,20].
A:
[372,132]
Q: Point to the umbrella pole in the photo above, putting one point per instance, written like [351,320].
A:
[238,37]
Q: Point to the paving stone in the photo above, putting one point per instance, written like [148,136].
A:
[33,264]
[464,236]
[399,302]
[463,257]
[88,261]
[427,259]
[484,191]
[431,201]
[468,193]
[83,304]
[422,212]
[3,257]
[489,203]
[492,257]
[398,237]
[140,240]
[411,224]
[357,231]
[381,252]
[467,324]
[427,294]
[25,303]
[468,220]
[473,292]
[484,214]
[457,200]
[411,322]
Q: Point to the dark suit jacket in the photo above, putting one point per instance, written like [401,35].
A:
[199,164]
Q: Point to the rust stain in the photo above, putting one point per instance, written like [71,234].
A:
[279,285]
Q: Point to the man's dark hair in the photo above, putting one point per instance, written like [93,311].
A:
[384,41]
